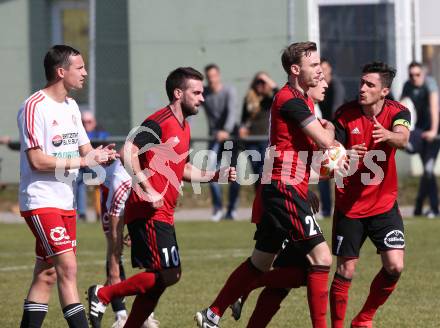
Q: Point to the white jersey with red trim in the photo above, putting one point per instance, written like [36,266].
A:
[57,129]
[118,184]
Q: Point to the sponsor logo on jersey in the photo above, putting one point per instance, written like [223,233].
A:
[355,131]
[58,233]
[57,140]
[395,239]
[66,154]
[54,123]
[70,138]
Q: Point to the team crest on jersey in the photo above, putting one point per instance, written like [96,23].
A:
[395,239]
[57,140]
[58,233]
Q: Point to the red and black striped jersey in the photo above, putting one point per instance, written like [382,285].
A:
[372,189]
[291,111]
[167,141]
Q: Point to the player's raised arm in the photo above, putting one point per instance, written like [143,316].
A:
[298,111]
[194,174]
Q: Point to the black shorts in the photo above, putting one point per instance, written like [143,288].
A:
[385,231]
[293,254]
[153,245]
[285,215]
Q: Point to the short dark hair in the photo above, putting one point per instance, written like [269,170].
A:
[415,64]
[292,54]
[177,79]
[386,72]
[325,60]
[211,66]
[56,57]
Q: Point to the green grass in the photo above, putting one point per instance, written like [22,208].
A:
[209,253]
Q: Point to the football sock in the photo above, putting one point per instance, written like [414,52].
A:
[237,283]
[317,294]
[118,304]
[121,314]
[75,316]
[339,299]
[381,288]
[138,284]
[267,306]
[142,307]
[33,314]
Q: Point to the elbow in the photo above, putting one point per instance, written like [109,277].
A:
[36,166]
[403,145]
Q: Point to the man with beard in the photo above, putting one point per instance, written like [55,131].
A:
[150,207]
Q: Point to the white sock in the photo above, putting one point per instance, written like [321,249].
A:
[121,314]
[212,316]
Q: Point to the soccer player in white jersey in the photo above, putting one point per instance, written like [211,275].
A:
[54,145]
[114,192]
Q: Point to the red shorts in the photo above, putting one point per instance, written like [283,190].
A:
[55,234]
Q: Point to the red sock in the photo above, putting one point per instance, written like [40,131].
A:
[339,299]
[135,285]
[380,289]
[267,306]
[141,309]
[237,283]
[317,294]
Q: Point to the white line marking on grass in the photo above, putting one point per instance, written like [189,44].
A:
[208,255]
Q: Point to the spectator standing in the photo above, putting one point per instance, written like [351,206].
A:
[334,97]
[423,92]
[220,106]
[94,132]
[255,116]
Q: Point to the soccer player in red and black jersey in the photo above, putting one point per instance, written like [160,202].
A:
[289,266]
[156,155]
[365,202]
[285,213]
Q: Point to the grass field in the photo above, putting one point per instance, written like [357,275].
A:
[209,252]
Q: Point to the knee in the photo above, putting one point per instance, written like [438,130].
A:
[346,270]
[326,260]
[48,277]
[394,269]
[169,277]
[321,258]
[67,271]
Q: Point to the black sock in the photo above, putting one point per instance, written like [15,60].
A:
[33,314]
[118,304]
[75,316]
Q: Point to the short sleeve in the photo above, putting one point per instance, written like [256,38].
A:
[403,117]
[297,110]
[31,126]
[149,132]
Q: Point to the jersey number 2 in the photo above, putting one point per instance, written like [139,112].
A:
[310,221]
